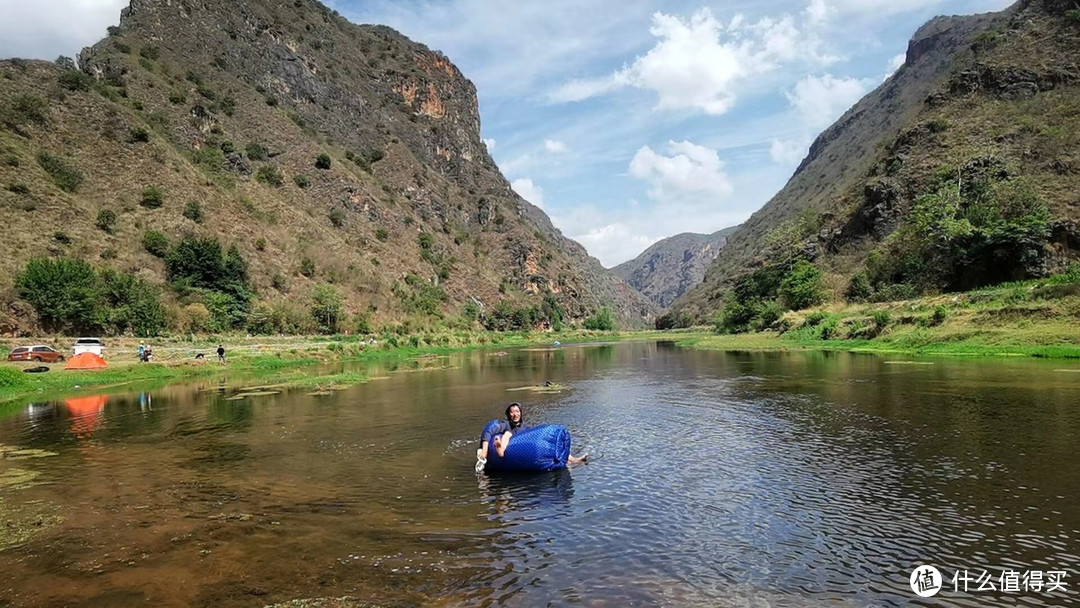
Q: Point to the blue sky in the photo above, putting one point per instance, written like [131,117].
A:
[627,121]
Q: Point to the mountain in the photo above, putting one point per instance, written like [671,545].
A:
[324,152]
[960,170]
[671,266]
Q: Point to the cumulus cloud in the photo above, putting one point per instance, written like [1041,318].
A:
[528,191]
[788,151]
[48,28]
[554,146]
[820,100]
[699,63]
[686,182]
[689,172]
[817,101]
[490,143]
[614,243]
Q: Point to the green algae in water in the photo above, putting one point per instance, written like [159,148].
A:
[14,453]
[17,478]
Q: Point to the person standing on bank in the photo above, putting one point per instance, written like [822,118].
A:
[221,353]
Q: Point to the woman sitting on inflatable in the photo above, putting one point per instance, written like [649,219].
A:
[541,448]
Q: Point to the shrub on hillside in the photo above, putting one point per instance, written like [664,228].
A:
[28,108]
[420,296]
[270,175]
[323,161]
[302,181]
[969,233]
[138,134]
[69,296]
[859,288]
[337,217]
[156,243]
[193,211]
[802,287]
[129,304]
[382,234]
[106,220]
[152,197]
[307,267]
[75,80]
[255,151]
[61,291]
[65,175]
[210,157]
[603,320]
[326,308]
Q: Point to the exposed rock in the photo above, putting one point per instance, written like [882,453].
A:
[672,266]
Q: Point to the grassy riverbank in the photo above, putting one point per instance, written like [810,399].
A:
[1032,318]
[174,358]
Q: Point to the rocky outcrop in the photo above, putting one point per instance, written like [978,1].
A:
[672,266]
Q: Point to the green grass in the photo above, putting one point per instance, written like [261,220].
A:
[276,359]
[1030,318]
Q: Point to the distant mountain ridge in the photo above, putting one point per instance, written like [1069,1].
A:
[671,267]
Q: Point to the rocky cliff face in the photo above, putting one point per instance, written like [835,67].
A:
[229,105]
[998,88]
[671,267]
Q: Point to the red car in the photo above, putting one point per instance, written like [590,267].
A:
[39,353]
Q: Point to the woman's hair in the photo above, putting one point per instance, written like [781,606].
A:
[518,405]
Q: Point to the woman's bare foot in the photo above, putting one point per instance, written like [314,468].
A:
[578,459]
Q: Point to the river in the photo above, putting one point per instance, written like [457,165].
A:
[715,479]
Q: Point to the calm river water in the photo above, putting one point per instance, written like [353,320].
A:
[716,479]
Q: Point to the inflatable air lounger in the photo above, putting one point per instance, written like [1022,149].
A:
[538,448]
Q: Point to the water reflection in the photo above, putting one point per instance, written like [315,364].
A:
[726,479]
[520,495]
[87,414]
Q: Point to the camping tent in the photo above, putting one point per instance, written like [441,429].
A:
[86,361]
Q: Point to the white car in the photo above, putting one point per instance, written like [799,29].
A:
[90,345]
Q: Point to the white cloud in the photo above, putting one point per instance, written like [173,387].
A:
[490,143]
[896,62]
[690,173]
[48,28]
[788,151]
[554,146]
[614,243]
[820,11]
[528,191]
[818,101]
[700,63]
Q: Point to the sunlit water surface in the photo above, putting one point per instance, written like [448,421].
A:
[716,479]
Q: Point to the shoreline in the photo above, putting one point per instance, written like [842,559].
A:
[174,359]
